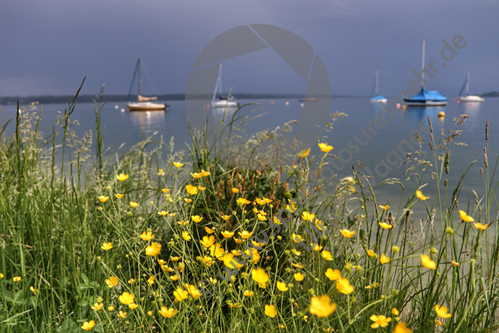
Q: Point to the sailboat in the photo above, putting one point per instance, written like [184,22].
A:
[466,97]
[426,97]
[377,97]
[219,101]
[143,103]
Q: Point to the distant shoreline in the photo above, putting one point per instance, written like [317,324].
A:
[49,99]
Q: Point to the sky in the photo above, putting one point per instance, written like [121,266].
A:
[48,47]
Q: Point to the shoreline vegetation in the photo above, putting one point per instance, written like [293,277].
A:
[233,236]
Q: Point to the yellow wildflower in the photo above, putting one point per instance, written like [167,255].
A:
[107,246]
[344,286]
[103,198]
[420,196]
[260,276]
[385,226]
[480,226]
[191,189]
[208,241]
[180,294]
[126,298]
[227,234]
[333,275]
[197,218]
[163,213]
[235,190]
[97,306]
[186,236]
[245,234]
[465,217]
[322,306]
[122,177]
[208,230]
[442,311]
[178,164]
[88,325]
[427,262]
[327,255]
[118,196]
[270,311]
[248,293]
[384,259]
[299,276]
[401,327]
[325,148]
[167,313]
[122,314]
[380,321]
[153,250]
[112,281]
[147,236]
[347,233]
[304,153]
[133,204]
[386,207]
[282,286]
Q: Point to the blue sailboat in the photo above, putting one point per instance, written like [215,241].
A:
[377,97]
[426,97]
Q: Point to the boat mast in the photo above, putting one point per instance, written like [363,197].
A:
[422,67]
[218,85]
[376,92]
[138,65]
[467,83]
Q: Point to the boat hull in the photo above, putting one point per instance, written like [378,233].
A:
[423,103]
[224,104]
[471,98]
[379,100]
[146,106]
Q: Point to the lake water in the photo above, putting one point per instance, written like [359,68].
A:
[380,153]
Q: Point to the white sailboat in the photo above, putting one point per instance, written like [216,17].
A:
[143,103]
[464,96]
[426,97]
[220,101]
[377,97]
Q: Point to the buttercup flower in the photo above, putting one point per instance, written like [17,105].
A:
[227,234]
[162,213]
[380,321]
[327,255]
[245,234]
[178,164]
[384,259]
[480,226]
[180,294]
[325,148]
[304,153]
[186,236]
[134,204]
[107,246]
[229,261]
[420,196]
[201,188]
[454,263]
[208,241]
[131,281]
[153,250]
[235,190]
[187,200]
[344,286]
[103,198]
[191,189]
[151,280]
[197,218]
[347,233]
[208,230]
[401,327]
[133,306]
[395,312]
[322,306]
[465,217]
[88,325]
[167,313]
[442,311]
[118,196]
[122,314]
[97,306]
[333,275]
[126,298]
[307,216]
[242,201]
[147,236]
[385,226]
[427,262]
[110,308]
[261,217]
[112,281]
[260,276]
[165,190]
[317,247]
[33,290]
[270,311]
[297,238]
[299,276]
[386,207]
[122,177]
[193,291]
[225,217]
[371,253]
[282,286]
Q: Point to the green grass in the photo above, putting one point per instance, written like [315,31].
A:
[53,225]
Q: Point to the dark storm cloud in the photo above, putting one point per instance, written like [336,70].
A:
[49,46]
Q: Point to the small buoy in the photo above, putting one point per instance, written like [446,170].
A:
[470,104]
[271,102]
[116,106]
[441,114]
[287,103]
[122,110]
[302,105]
[458,101]
[454,99]
[207,106]
[403,107]
[397,105]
